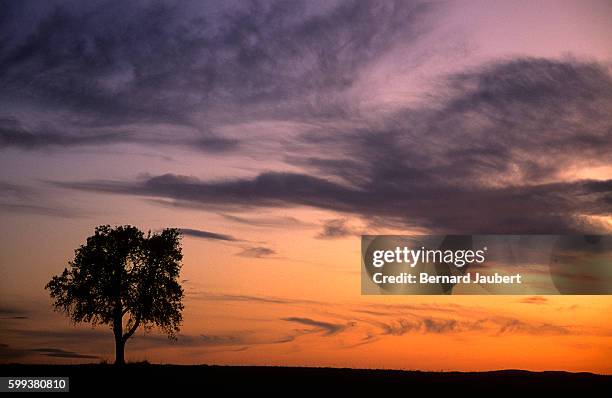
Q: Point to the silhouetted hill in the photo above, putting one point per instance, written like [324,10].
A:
[289,380]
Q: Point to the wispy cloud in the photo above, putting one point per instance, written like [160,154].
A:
[60,353]
[517,326]
[198,233]
[328,328]
[388,171]
[12,134]
[534,300]
[8,353]
[269,222]
[248,298]
[40,210]
[13,313]
[22,199]
[257,252]
[208,59]
[337,228]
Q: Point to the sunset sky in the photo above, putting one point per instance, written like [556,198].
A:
[275,134]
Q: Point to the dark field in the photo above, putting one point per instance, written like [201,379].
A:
[289,380]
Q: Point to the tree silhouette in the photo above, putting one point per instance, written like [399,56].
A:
[125,279]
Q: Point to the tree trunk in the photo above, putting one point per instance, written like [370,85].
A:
[119,342]
[119,351]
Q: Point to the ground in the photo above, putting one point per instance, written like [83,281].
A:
[289,380]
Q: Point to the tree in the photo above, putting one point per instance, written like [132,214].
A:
[123,279]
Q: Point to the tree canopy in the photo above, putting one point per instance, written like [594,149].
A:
[126,279]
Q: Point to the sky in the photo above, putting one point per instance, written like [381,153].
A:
[274,134]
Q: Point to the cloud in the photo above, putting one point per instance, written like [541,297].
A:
[268,222]
[516,326]
[249,298]
[60,353]
[353,323]
[400,327]
[12,313]
[8,310]
[40,210]
[178,64]
[439,325]
[243,338]
[215,144]
[425,325]
[494,326]
[208,339]
[21,199]
[13,135]
[14,191]
[257,252]
[7,353]
[484,157]
[337,228]
[63,336]
[552,206]
[239,297]
[327,327]
[534,300]
[489,143]
[196,233]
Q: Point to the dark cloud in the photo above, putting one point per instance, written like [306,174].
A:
[9,310]
[12,134]
[215,144]
[7,353]
[246,339]
[486,155]
[400,327]
[12,313]
[495,326]
[257,252]
[197,233]
[269,189]
[439,325]
[33,337]
[60,336]
[243,338]
[327,327]
[538,208]
[60,353]
[397,323]
[517,326]
[106,63]
[425,325]
[335,229]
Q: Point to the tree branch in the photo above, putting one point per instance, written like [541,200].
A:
[130,332]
